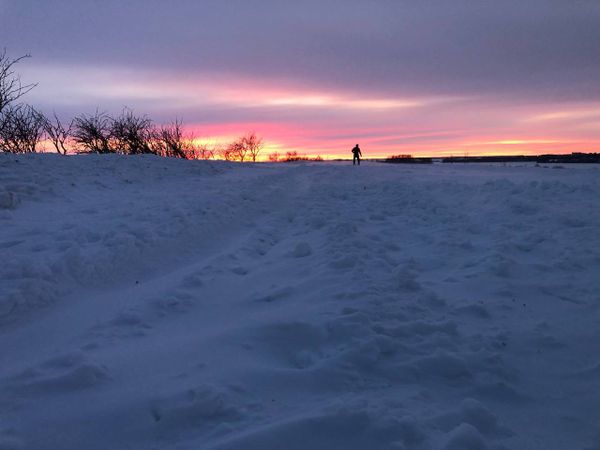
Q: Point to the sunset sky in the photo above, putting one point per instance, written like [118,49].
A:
[445,77]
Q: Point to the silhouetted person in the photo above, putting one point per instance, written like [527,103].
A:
[357,154]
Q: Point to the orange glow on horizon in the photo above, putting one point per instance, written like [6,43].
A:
[283,138]
[323,121]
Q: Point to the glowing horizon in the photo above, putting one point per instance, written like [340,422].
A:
[315,122]
[316,77]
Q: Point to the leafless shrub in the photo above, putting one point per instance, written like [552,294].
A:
[237,150]
[404,156]
[22,129]
[58,133]
[227,153]
[274,157]
[248,145]
[131,134]
[204,151]
[92,133]
[293,156]
[170,140]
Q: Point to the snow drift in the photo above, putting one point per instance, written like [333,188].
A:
[159,303]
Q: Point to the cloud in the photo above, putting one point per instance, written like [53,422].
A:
[448,73]
[386,47]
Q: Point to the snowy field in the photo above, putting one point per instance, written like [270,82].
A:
[151,303]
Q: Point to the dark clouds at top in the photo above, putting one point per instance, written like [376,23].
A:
[535,49]
[417,76]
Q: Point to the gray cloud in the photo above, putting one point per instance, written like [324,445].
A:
[537,48]
[485,75]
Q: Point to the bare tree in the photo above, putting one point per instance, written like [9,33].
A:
[248,145]
[237,150]
[253,145]
[226,153]
[11,88]
[217,149]
[58,133]
[22,129]
[131,134]
[204,151]
[92,133]
[198,150]
[274,157]
[170,140]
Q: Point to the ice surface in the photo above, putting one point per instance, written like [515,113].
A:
[156,303]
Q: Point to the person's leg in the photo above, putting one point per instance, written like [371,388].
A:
[354,160]
[358,159]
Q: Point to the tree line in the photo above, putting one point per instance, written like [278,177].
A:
[23,128]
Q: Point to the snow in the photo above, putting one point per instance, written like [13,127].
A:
[157,303]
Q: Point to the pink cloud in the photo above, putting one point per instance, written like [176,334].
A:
[316,121]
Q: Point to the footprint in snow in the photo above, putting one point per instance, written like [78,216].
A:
[474,413]
[276,295]
[474,310]
[63,373]
[125,325]
[177,302]
[239,270]
[464,437]
[193,280]
[295,344]
[196,407]
[302,250]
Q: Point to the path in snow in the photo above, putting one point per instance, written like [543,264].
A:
[150,303]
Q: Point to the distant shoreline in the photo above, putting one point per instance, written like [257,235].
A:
[572,158]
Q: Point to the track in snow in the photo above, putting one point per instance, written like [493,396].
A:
[207,305]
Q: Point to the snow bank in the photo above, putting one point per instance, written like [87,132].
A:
[213,305]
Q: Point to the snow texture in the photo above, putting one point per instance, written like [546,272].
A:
[164,304]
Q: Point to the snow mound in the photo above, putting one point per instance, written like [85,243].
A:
[200,304]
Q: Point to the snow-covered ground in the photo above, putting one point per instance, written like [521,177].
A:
[151,303]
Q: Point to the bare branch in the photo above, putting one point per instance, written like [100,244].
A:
[238,150]
[227,153]
[169,140]
[204,151]
[132,134]
[11,88]
[58,133]
[247,145]
[253,144]
[92,133]
[22,129]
